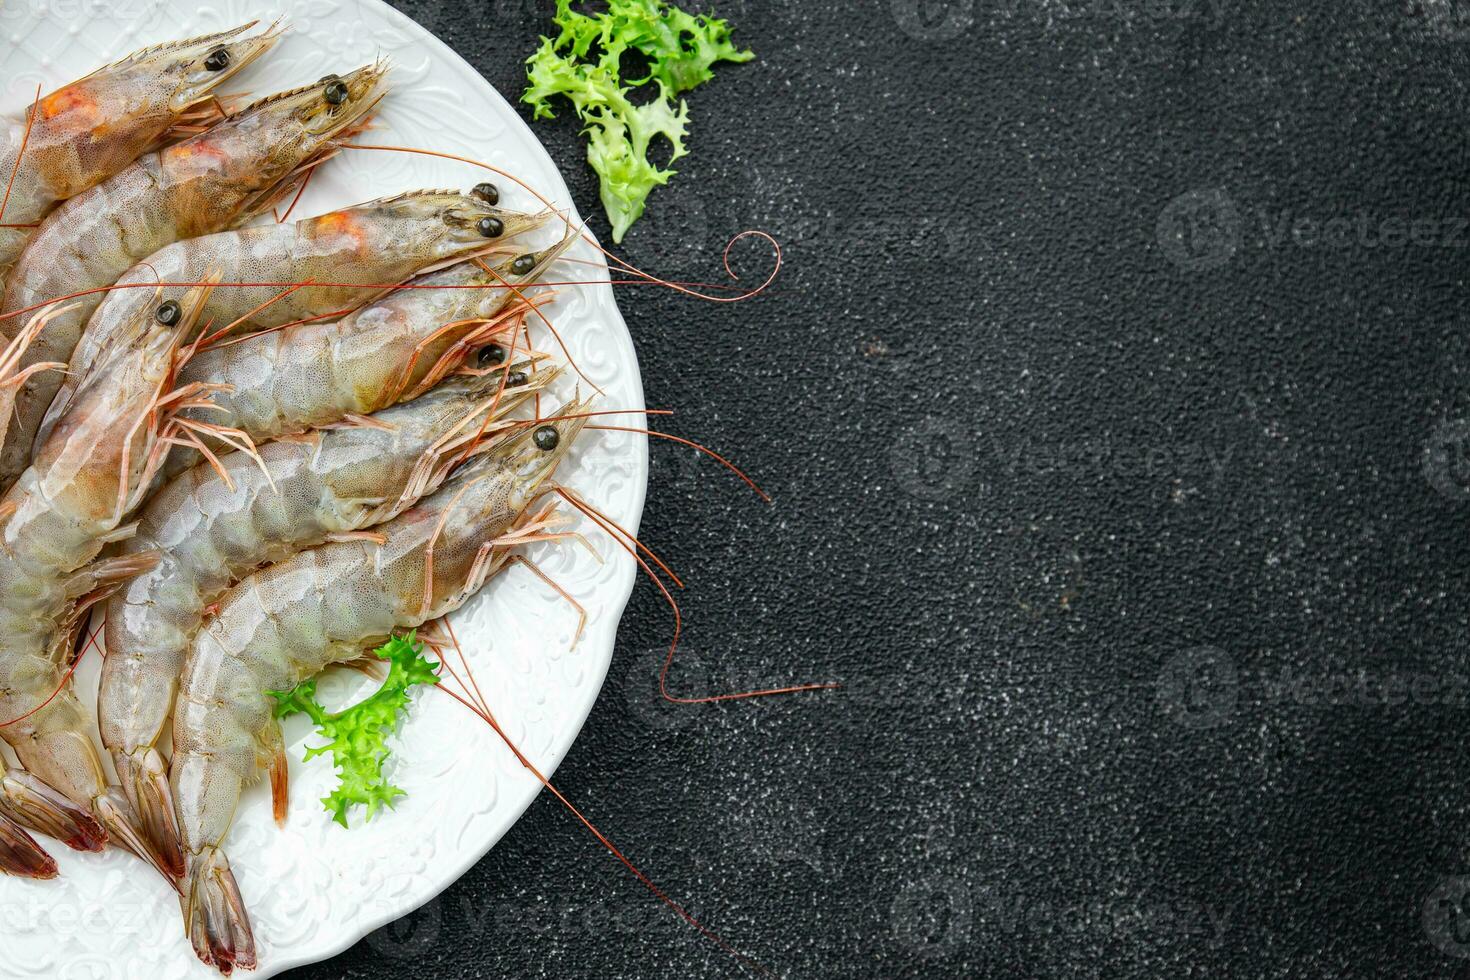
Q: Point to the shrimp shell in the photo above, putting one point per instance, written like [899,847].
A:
[383,241]
[317,373]
[212,526]
[58,517]
[216,180]
[321,607]
[84,132]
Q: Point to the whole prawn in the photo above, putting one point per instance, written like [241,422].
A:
[79,135]
[213,526]
[321,607]
[392,350]
[383,241]
[214,181]
[66,507]
[31,801]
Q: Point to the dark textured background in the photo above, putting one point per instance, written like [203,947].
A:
[1113,398]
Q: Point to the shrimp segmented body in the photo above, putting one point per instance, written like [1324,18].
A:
[321,607]
[214,181]
[213,526]
[318,373]
[82,133]
[66,507]
[383,241]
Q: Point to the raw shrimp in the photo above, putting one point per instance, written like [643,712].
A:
[60,514]
[212,526]
[321,607]
[383,241]
[214,181]
[394,349]
[83,133]
[26,801]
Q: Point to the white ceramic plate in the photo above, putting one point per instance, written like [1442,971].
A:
[314,889]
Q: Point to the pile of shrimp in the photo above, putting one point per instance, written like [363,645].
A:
[255,450]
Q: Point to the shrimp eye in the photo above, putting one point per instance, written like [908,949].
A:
[515,379]
[523,264]
[169,313]
[492,354]
[336,93]
[327,78]
[546,438]
[490,227]
[217,60]
[486,192]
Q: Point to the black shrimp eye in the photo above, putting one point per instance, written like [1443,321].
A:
[327,78]
[217,60]
[515,379]
[169,313]
[546,438]
[523,264]
[492,354]
[490,227]
[486,192]
[336,93]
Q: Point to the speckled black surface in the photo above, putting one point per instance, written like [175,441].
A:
[1116,491]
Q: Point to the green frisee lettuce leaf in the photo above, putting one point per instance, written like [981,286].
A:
[357,737]
[582,64]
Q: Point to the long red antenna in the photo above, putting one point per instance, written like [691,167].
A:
[15,171]
[688,442]
[622,263]
[485,715]
[66,678]
[618,533]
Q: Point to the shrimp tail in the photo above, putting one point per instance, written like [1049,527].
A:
[143,776]
[33,804]
[214,914]
[20,855]
[124,829]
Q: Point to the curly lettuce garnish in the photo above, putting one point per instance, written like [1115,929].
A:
[357,737]
[582,63]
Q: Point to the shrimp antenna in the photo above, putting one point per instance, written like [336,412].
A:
[585,236]
[546,320]
[24,140]
[619,534]
[694,445]
[483,712]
